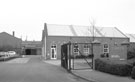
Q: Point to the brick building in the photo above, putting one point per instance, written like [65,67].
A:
[112,41]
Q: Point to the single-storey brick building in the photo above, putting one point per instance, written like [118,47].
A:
[111,40]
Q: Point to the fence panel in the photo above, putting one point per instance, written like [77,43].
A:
[76,56]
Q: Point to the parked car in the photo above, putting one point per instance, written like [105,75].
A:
[11,53]
[3,54]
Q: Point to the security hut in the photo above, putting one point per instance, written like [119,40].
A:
[113,42]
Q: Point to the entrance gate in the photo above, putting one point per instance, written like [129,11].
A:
[77,56]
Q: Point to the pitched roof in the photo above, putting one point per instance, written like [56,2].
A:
[5,33]
[75,30]
[131,37]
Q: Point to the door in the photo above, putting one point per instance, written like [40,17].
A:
[53,52]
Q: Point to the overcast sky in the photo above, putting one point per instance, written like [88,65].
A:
[27,17]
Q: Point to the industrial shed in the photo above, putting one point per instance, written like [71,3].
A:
[10,42]
[112,41]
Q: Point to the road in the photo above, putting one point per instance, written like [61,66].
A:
[34,70]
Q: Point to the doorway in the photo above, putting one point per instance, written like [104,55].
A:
[31,52]
[53,52]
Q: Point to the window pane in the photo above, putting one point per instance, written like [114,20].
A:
[86,46]
[105,50]
[105,45]
[76,48]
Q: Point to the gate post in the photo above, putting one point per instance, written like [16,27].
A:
[96,51]
[125,46]
[69,56]
[62,56]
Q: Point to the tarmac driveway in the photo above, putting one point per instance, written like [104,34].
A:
[34,70]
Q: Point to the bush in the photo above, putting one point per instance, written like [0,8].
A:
[9,58]
[81,56]
[130,54]
[131,61]
[133,73]
[121,68]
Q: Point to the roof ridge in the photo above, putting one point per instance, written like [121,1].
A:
[11,35]
[76,25]
[59,24]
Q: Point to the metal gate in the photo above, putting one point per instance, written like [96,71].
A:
[77,56]
[65,57]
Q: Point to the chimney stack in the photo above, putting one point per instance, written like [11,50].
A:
[13,33]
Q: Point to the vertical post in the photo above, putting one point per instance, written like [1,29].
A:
[92,53]
[68,61]
[69,56]
[73,57]
[96,50]
[62,55]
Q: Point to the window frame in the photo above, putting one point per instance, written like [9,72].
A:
[86,49]
[74,51]
[105,48]
[53,46]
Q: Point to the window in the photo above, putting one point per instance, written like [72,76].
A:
[53,46]
[86,49]
[105,51]
[76,48]
[106,48]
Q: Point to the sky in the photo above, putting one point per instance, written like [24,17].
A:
[27,17]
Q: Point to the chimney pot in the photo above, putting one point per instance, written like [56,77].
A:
[13,33]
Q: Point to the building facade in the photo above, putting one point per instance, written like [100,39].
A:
[112,41]
[31,47]
[10,42]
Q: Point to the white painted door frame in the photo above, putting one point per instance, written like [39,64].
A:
[53,52]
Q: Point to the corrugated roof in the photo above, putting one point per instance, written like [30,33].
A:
[131,37]
[74,30]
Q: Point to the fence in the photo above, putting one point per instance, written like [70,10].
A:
[77,56]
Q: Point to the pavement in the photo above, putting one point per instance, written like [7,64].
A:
[33,69]
[53,62]
[97,76]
